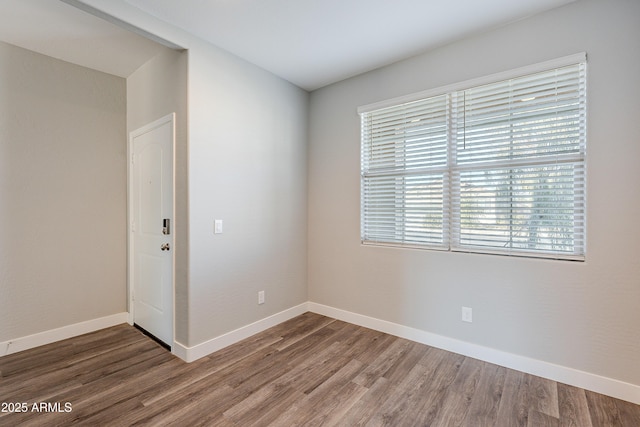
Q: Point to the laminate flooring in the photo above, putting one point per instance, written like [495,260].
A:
[309,371]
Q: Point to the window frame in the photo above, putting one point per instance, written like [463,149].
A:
[451,237]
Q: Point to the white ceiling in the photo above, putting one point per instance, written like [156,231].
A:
[310,43]
[61,31]
[313,43]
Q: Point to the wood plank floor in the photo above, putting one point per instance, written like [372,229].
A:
[311,371]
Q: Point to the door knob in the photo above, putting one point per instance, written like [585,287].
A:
[165,247]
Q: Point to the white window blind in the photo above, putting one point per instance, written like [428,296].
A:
[497,168]
[404,174]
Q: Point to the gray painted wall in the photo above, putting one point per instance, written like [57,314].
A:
[246,163]
[157,89]
[580,315]
[247,167]
[62,193]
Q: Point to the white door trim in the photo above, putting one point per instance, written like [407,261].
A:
[169,118]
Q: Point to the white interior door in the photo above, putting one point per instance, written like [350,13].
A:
[152,228]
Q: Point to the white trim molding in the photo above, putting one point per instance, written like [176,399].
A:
[190,354]
[599,384]
[59,334]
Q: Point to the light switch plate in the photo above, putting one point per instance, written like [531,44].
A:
[467,314]
[217,226]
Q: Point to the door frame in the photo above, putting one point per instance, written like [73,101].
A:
[169,118]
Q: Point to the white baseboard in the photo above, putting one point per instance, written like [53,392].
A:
[53,335]
[190,354]
[599,384]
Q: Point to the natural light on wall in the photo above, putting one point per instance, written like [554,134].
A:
[496,165]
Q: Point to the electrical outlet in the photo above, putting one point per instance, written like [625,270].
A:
[467,314]
[261,297]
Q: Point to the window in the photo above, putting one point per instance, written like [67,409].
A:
[493,166]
